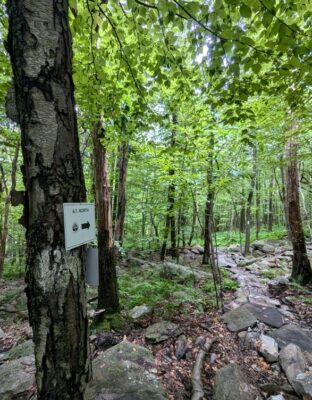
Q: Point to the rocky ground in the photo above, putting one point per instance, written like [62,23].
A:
[262,348]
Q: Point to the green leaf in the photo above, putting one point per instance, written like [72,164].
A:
[245,11]
[73,5]
[267,19]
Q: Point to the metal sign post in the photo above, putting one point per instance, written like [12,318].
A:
[79,224]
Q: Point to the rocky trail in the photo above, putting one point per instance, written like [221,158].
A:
[258,347]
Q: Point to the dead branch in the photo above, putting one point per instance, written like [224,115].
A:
[197,391]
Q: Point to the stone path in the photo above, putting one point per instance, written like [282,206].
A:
[264,324]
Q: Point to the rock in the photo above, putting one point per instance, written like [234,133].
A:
[1,334]
[232,384]
[263,300]
[198,249]
[21,350]
[303,385]
[292,362]
[239,319]
[234,248]
[225,261]
[277,397]
[263,246]
[293,334]
[181,348]
[268,348]
[249,339]
[246,262]
[266,314]
[140,311]
[213,358]
[181,273]
[16,378]
[269,388]
[161,331]
[125,371]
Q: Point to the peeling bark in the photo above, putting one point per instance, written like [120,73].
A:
[40,48]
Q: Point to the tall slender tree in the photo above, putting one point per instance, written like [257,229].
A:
[301,269]
[108,290]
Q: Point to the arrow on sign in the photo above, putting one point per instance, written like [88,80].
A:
[85,225]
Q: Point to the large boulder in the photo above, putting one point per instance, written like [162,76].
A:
[125,372]
[182,273]
[232,384]
[266,314]
[17,377]
[140,312]
[292,361]
[293,334]
[263,246]
[21,350]
[162,331]
[239,319]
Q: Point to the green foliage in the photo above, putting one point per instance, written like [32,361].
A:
[227,284]
[163,295]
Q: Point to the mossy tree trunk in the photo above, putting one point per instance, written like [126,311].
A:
[40,48]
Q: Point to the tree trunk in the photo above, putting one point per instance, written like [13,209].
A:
[249,203]
[40,48]
[258,202]
[270,210]
[242,217]
[5,224]
[194,216]
[108,289]
[170,225]
[121,202]
[208,256]
[301,269]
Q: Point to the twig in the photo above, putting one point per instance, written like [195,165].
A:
[197,390]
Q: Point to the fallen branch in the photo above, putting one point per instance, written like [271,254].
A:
[197,391]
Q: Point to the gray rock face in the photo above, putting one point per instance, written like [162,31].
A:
[181,273]
[161,331]
[239,319]
[140,311]
[303,385]
[293,334]
[292,361]
[21,350]
[268,315]
[225,261]
[125,372]
[268,348]
[1,333]
[263,246]
[16,377]
[232,384]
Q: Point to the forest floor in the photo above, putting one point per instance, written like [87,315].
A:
[195,313]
